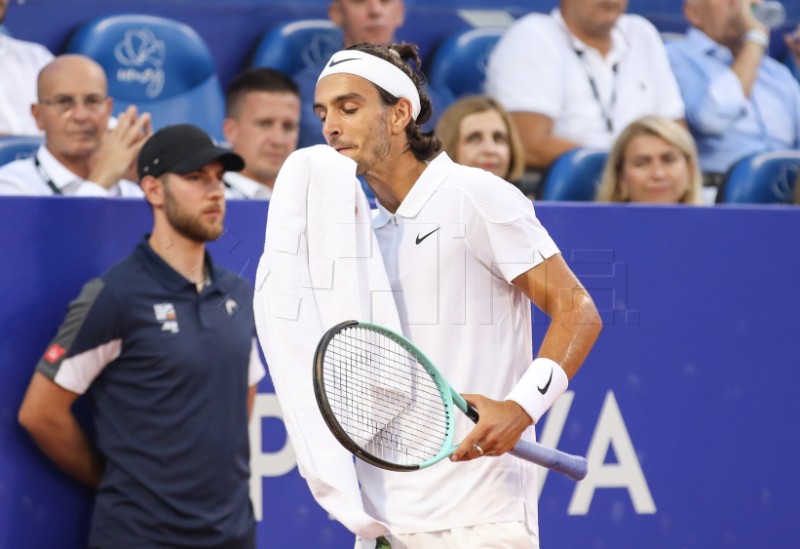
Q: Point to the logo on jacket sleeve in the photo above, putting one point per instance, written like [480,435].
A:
[165,314]
[54,353]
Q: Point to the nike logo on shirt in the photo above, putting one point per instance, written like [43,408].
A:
[421,238]
[544,389]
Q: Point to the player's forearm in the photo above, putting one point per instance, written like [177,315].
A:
[63,441]
[573,331]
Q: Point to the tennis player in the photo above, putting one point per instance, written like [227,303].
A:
[465,256]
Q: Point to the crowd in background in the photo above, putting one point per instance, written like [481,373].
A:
[674,117]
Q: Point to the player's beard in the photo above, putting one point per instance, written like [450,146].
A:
[191,227]
[379,147]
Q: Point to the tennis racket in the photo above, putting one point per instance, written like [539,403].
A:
[388,404]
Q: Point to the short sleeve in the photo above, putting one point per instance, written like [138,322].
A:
[503,231]
[669,99]
[524,54]
[255,369]
[86,341]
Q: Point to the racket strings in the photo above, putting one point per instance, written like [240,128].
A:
[383,397]
[357,385]
[394,381]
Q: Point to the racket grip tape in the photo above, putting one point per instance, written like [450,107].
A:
[472,413]
[574,467]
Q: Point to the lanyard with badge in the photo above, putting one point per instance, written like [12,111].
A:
[46,178]
[606,112]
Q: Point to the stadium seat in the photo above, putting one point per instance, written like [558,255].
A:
[459,62]
[575,175]
[293,46]
[160,65]
[763,178]
[16,147]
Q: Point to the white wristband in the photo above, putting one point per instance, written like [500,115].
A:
[757,36]
[539,387]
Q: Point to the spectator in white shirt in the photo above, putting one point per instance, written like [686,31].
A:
[80,156]
[578,76]
[20,62]
[262,126]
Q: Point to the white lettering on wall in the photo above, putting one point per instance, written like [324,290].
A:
[626,473]
[270,464]
[610,431]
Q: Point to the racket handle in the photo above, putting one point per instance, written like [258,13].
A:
[574,467]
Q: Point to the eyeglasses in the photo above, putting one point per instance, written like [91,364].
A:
[66,103]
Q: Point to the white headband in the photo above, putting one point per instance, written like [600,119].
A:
[381,73]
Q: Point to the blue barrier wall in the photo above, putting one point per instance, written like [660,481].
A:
[686,408]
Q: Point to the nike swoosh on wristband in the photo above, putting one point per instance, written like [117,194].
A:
[427,235]
[334,63]
[544,389]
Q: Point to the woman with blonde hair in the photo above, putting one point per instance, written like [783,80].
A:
[477,131]
[654,160]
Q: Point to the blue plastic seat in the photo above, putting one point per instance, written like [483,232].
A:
[16,147]
[293,46]
[459,62]
[575,175]
[160,65]
[763,178]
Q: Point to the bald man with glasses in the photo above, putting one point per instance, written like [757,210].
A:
[80,155]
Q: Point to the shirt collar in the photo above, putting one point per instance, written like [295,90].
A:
[619,41]
[700,41]
[434,175]
[169,277]
[241,186]
[60,175]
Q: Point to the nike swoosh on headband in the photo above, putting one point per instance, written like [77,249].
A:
[334,63]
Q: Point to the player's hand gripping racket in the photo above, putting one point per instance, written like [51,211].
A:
[389,405]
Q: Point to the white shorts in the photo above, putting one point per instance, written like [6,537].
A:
[503,535]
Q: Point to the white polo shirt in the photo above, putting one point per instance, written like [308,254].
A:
[238,186]
[20,63]
[539,66]
[23,177]
[451,250]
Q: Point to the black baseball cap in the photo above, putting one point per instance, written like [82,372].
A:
[183,148]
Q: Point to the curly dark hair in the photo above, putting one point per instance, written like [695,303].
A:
[424,145]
